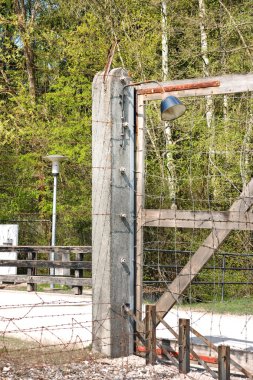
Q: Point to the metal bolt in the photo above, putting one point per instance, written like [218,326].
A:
[123,80]
[122,170]
[122,260]
[123,216]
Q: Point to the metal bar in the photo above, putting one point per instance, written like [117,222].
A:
[178,87]
[139,188]
[223,276]
[229,84]
[191,252]
[199,282]
[205,268]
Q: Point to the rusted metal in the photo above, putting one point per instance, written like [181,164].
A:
[178,87]
[109,59]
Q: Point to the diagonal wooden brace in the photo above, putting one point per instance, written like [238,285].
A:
[201,256]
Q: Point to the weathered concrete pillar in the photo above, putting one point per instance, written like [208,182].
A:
[112,212]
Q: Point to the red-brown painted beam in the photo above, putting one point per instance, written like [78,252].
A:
[178,87]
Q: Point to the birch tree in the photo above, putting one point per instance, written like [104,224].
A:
[171,170]
[209,107]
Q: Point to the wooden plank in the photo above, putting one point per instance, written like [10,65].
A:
[201,256]
[140,155]
[46,249]
[219,220]
[46,264]
[46,280]
[178,87]
[229,84]
[184,346]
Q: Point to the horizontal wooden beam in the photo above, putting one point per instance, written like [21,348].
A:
[228,84]
[46,249]
[71,281]
[178,87]
[207,249]
[220,220]
[46,264]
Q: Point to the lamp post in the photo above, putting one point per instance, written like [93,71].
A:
[55,159]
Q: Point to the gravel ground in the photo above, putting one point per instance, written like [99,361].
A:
[132,367]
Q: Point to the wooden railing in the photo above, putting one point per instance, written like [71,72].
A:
[36,260]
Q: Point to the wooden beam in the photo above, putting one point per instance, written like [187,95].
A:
[46,280]
[178,87]
[227,220]
[45,249]
[46,264]
[201,256]
[229,84]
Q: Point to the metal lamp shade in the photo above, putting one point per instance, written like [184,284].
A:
[171,108]
[55,159]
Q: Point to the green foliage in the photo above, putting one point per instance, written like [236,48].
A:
[69,43]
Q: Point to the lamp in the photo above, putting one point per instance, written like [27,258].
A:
[171,108]
[55,159]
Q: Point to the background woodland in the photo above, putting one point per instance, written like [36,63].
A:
[50,51]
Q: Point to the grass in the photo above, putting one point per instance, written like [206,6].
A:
[25,353]
[238,306]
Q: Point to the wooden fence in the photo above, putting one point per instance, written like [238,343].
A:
[33,266]
[154,348]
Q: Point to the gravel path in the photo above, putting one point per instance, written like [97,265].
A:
[132,367]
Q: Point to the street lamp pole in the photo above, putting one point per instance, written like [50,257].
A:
[55,159]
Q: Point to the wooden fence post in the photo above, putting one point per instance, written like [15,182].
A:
[224,362]
[150,334]
[184,346]
[78,274]
[31,287]
[112,212]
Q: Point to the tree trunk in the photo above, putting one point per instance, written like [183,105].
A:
[170,164]
[209,101]
[24,27]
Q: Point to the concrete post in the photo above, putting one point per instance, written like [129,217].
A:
[112,212]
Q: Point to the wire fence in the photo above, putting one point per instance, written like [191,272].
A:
[57,328]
